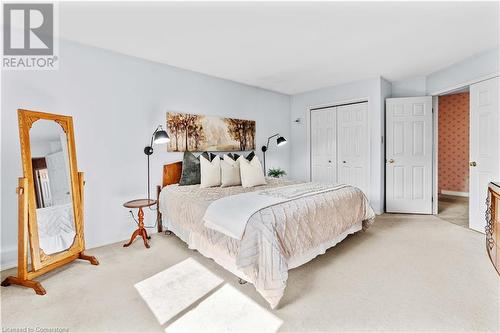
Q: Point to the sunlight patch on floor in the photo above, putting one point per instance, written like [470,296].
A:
[226,310]
[176,288]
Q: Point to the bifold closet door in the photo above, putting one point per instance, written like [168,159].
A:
[353,146]
[324,145]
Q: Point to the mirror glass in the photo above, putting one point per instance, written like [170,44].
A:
[51,176]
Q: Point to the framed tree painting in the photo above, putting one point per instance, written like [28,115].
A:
[192,132]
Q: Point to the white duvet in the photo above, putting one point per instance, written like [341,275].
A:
[56,228]
[230,215]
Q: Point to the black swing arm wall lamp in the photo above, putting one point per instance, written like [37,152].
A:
[158,136]
[279,142]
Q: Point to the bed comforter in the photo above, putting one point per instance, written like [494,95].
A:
[276,238]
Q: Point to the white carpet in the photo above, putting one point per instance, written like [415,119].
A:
[406,273]
[227,310]
[176,288]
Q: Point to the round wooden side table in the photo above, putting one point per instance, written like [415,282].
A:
[141,231]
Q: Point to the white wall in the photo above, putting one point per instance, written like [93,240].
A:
[478,67]
[116,102]
[411,87]
[374,91]
[465,72]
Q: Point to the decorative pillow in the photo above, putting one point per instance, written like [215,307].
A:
[250,156]
[208,156]
[190,174]
[230,171]
[210,172]
[251,172]
[234,157]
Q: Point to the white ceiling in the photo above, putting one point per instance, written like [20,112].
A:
[289,47]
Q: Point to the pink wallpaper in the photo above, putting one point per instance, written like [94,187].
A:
[453,159]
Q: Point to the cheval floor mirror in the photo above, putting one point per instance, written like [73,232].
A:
[50,199]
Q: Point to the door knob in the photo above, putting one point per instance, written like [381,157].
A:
[329,161]
[472,164]
[344,162]
[391,161]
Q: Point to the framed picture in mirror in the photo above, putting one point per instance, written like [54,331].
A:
[50,198]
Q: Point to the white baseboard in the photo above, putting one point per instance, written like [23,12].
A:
[8,258]
[458,194]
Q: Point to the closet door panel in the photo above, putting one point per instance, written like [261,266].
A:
[353,145]
[324,145]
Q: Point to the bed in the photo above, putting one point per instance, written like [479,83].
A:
[56,228]
[277,238]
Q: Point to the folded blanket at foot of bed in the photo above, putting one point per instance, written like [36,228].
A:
[230,215]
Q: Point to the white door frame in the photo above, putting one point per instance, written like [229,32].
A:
[462,84]
[435,154]
[400,192]
[435,97]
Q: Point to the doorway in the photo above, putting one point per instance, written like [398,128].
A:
[453,157]
[412,154]
[484,148]
[409,155]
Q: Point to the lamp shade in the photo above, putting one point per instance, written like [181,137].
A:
[161,136]
[280,141]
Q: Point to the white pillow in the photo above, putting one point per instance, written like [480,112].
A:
[230,169]
[251,172]
[210,172]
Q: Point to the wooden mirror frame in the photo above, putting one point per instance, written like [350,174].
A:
[28,228]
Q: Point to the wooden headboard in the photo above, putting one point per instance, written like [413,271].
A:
[171,173]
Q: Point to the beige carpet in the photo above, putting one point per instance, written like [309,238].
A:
[406,273]
[454,209]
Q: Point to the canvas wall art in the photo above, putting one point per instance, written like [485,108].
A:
[192,132]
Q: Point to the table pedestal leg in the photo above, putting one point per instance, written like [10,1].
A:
[139,232]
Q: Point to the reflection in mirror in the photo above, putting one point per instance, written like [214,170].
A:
[51,175]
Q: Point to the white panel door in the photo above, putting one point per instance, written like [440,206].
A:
[58,178]
[324,145]
[353,144]
[409,155]
[484,147]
